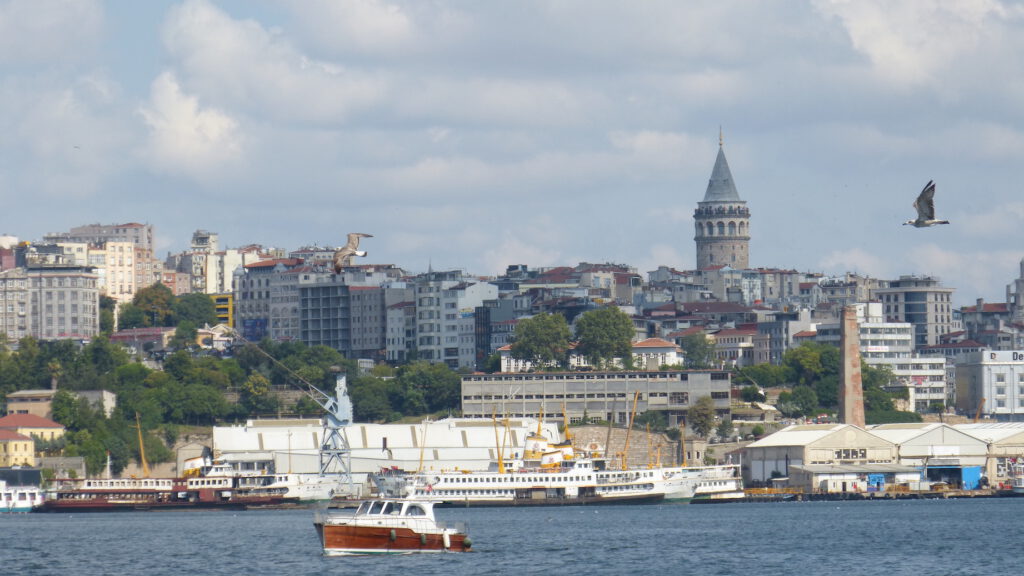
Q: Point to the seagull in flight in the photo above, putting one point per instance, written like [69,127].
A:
[343,256]
[925,206]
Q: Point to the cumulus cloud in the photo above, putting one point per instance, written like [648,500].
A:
[910,43]
[857,260]
[185,137]
[981,273]
[243,65]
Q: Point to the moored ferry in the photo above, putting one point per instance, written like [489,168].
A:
[19,498]
[113,494]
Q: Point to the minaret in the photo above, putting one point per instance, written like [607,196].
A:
[722,220]
[851,391]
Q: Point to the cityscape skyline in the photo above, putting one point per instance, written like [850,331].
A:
[473,137]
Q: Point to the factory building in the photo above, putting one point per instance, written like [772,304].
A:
[940,452]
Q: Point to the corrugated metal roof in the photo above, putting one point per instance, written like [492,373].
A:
[900,433]
[991,431]
[797,435]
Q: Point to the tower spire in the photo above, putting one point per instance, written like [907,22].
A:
[719,135]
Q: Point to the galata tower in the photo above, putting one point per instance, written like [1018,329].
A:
[722,221]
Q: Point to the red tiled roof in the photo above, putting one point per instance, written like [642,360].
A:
[12,435]
[27,421]
[805,334]
[993,308]
[653,343]
[275,262]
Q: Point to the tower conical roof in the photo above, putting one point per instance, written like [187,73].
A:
[721,188]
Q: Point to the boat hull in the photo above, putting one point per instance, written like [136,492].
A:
[345,540]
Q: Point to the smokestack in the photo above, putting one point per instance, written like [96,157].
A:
[851,397]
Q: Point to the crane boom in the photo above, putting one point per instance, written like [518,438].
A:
[335,452]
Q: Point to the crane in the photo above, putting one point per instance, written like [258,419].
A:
[335,452]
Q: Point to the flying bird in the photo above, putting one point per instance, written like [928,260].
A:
[925,206]
[343,256]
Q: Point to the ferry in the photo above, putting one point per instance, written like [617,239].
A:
[387,526]
[19,498]
[558,475]
[114,494]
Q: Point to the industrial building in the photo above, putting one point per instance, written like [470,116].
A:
[593,396]
[940,452]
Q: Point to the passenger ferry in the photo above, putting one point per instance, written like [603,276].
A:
[19,498]
[557,475]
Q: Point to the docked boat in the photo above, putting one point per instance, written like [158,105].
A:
[572,482]
[387,526]
[1017,478]
[19,498]
[113,494]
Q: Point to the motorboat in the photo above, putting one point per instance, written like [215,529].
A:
[387,526]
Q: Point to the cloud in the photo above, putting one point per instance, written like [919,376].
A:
[856,260]
[913,43]
[33,32]
[241,65]
[186,138]
[979,274]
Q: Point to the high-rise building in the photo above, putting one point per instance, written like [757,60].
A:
[921,301]
[722,221]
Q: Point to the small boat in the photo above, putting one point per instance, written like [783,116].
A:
[1017,478]
[19,498]
[387,526]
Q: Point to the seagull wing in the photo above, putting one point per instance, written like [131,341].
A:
[925,203]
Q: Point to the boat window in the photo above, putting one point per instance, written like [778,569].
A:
[375,509]
[386,509]
[415,510]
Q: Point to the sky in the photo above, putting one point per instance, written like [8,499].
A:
[474,135]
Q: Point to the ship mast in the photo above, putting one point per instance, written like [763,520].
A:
[142,448]
[632,417]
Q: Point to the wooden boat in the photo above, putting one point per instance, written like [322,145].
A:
[387,526]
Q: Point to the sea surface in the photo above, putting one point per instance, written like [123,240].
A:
[912,537]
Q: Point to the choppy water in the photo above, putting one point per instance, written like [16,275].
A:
[923,537]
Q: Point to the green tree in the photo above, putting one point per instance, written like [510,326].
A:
[195,308]
[131,316]
[751,394]
[724,428]
[107,308]
[185,335]
[157,303]
[698,350]
[764,375]
[435,387]
[701,416]
[604,334]
[543,340]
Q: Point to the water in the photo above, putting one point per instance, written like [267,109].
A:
[916,537]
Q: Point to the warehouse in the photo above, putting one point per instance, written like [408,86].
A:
[1004,442]
[813,444]
[943,453]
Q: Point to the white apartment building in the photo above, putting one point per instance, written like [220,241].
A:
[991,383]
[892,344]
[446,305]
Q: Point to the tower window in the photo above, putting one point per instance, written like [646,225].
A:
[721,228]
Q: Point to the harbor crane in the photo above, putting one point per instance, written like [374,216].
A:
[335,452]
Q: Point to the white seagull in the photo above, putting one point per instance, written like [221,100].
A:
[343,256]
[925,206]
